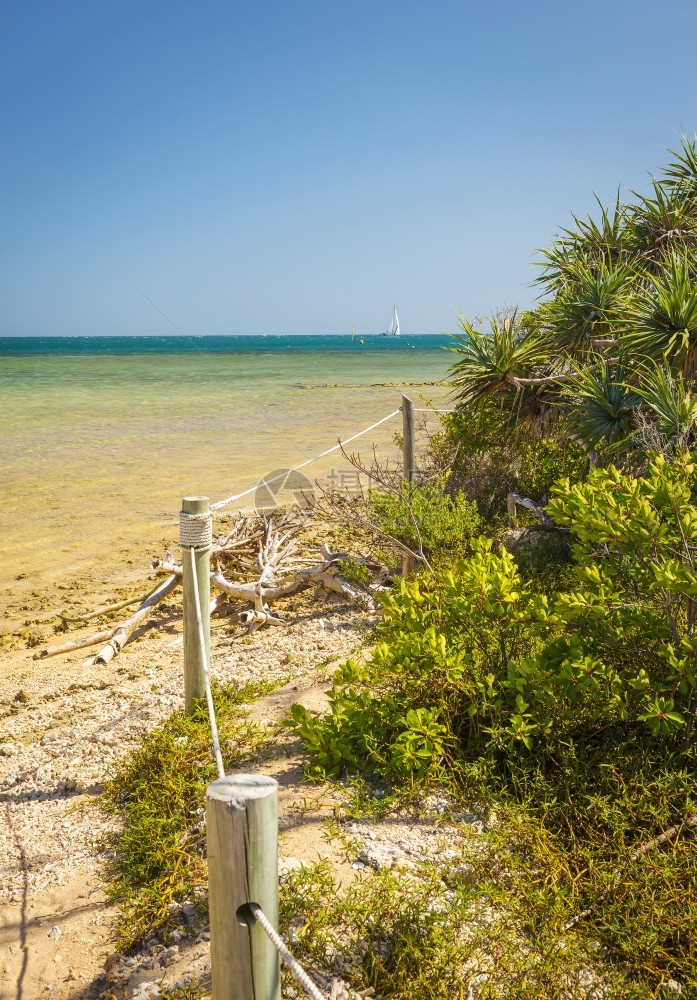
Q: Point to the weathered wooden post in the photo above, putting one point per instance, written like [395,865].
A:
[195,532]
[408,437]
[242,844]
[408,457]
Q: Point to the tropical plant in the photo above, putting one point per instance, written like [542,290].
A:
[591,244]
[491,364]
[671,407]
[680,174]
[623,287]
[661,319]
[602,406]
[661,225]
[587,305]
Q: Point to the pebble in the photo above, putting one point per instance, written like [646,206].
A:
[145,991]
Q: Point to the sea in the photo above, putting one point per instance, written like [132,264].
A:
[101,437]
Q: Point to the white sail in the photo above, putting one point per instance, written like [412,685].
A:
[393,329]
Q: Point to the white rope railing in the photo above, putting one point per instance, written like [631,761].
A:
[206,673]
[256,911]
[196,529]
[280,946]
[296,468]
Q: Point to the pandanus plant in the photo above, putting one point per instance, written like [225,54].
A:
[510,363]
[602,406]
[621,294]
[660,321]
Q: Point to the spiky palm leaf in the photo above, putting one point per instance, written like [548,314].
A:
[489,363]
[601,405]
[586,307]
[661,320]
[680,175]
[671,406]
[660,225]
[590,243]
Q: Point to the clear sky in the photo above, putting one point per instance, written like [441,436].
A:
[299,166]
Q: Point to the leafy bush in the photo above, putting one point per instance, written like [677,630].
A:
[158,856]
[573,710]
[355,570]
[491,458]
[472,661]
[427,515]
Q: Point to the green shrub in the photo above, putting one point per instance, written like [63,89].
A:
[491,458]
[573,710]
[427,515]
[472,661]
[158,854]
[355,570]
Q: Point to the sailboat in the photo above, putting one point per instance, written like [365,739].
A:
[393,329]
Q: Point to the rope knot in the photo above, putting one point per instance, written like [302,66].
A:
[195,530]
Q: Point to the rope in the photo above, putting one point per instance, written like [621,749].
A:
[431,409]
[296,468]
[195,530]
[258,914]
[206,673]
[278,943]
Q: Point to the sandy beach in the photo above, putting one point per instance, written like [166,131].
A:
[97,452]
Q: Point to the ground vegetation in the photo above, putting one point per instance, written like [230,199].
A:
[548,702]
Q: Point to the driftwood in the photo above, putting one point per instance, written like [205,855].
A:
[538,509]
[108,609]
[73,644]
[269,587]
[119,634]
[514,500]
[260,615]
[124,631]
[256,562]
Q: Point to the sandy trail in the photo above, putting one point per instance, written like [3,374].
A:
[65,723]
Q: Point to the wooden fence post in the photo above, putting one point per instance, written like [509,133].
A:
[242,845]
[195,532]
[408,437]
[408,457]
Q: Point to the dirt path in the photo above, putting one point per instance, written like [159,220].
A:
[66,723]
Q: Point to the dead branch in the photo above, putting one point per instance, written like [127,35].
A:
[524,383]
[658,841]
[114,634]
[514,500]
[255,561]
[68,647]
[123,633]
[108,609]
[355,509]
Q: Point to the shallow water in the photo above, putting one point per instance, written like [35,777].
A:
[98,449]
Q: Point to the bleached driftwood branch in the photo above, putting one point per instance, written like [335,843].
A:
[264,564]
[538,510]
[119,635]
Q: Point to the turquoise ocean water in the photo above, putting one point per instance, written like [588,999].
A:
[101,437]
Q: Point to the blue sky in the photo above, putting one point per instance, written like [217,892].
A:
[298,167]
